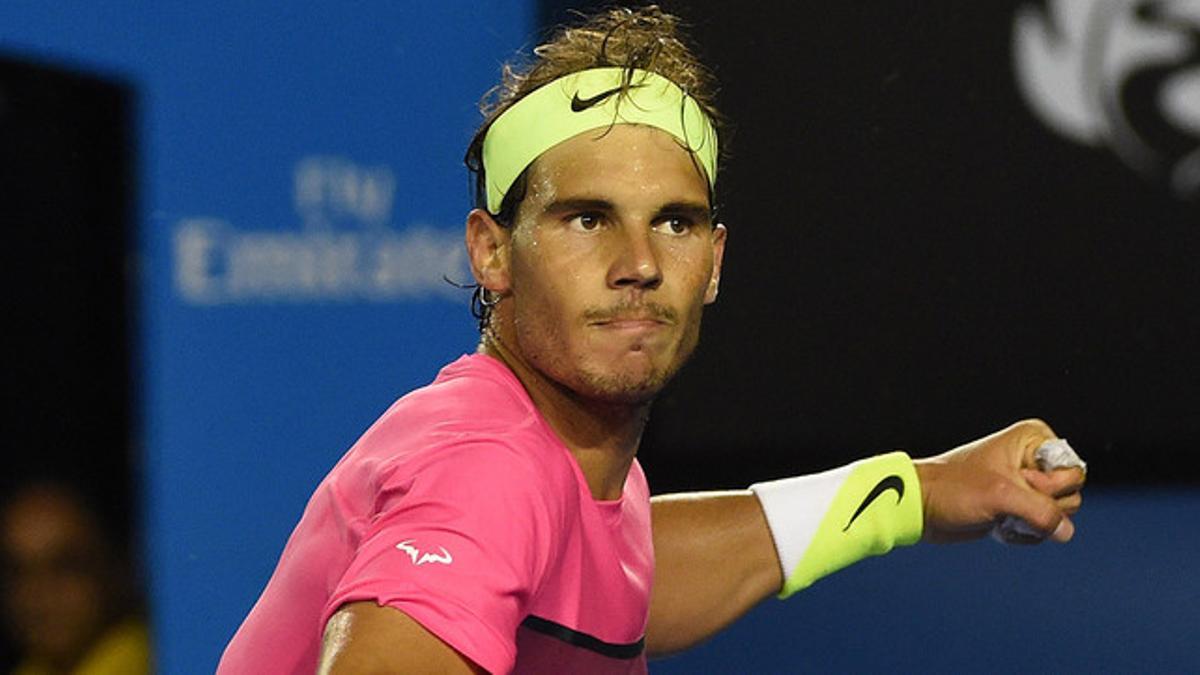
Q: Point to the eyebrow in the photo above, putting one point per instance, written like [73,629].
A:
[578,204]
[694,211]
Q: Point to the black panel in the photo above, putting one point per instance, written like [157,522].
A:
[66,201]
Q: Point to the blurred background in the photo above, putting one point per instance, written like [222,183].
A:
[228,225]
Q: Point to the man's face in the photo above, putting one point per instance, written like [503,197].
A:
[611,260]
[56,588]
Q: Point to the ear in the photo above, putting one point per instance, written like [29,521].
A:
[714,282]
[487,246]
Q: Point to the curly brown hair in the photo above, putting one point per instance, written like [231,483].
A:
[646,38]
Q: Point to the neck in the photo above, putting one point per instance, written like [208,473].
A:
[603,436]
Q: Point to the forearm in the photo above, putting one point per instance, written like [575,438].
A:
[714,560]
[718,554]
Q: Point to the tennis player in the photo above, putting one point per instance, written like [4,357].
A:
[497,519]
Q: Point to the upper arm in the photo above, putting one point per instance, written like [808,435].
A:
[362,637]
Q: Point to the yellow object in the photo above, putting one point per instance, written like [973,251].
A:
[877,507]
[582,101]
[123,650]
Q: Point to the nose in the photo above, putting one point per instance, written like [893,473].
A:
[636,261]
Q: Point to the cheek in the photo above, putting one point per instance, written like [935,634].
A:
[693,266]
[553,272]
[542,299]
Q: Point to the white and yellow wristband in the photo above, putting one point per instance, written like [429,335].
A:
[826,521]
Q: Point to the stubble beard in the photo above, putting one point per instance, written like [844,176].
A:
[624,389]
[613,386]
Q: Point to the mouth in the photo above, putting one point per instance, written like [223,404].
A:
[631,324]
[640,318]
[640,315]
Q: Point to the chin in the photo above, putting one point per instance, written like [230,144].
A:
[635,386]
[621,393]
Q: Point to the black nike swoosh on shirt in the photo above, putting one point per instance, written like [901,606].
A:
[892,482]
[581,104]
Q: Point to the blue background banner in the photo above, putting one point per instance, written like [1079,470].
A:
[302,195]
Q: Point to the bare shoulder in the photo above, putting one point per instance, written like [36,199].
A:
[363,637]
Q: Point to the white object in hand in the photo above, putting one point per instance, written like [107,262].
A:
[1053,454]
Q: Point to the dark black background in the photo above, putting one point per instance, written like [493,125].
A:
[66,206]
[915,260]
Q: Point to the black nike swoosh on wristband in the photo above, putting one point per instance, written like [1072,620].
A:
[892,482]
[581,104]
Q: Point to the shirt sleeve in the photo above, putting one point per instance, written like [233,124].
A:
[458,544]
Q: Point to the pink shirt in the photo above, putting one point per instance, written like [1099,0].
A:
[462,508]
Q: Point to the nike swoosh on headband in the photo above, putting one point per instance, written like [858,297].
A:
[892,482]
[581,104]
[584,101]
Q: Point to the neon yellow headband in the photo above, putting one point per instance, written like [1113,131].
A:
[586,100]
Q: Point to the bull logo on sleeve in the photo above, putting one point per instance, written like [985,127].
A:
[421,557]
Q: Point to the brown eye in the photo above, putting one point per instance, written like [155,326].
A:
[587,222]
[673,226]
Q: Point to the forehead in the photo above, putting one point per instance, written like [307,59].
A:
[622,162]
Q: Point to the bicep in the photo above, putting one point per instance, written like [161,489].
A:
[362,637]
